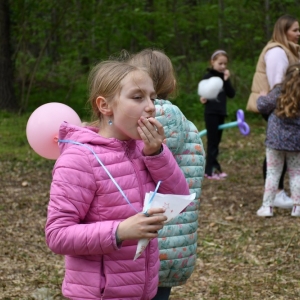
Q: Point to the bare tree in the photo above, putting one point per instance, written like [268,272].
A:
[7,97]
[267,19]
[220,23]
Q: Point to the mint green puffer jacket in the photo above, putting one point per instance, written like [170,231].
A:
[178,239]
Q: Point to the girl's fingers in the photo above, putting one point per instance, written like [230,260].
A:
[156,210]
[152,129]
[157,219]
[139,226]
[149,124]
[157,125]
[148,136]
[154,228]
[142,134]
[151,235]
[154,220]
[144,131]
[150,133]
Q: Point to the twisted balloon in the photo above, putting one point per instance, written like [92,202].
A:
[240,122]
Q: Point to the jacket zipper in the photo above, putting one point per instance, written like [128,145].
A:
[142,195]
[141,187]
[146,272]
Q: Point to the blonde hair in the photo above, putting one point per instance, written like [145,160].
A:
[288,103]
[281,27]
[105,80]
[160,69]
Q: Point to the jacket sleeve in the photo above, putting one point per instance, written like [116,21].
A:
[72,191]
[165,168]
[228,88]
[266,104]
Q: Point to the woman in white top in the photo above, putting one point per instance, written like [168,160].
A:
[286,32]
[281,51]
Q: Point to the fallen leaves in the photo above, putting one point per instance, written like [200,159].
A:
[240,256]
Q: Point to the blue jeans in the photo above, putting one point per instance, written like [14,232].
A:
[163,293]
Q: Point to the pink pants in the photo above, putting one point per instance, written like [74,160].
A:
[275,161]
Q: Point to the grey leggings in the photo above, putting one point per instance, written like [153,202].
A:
[275,162]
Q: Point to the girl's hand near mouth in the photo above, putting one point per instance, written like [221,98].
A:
[153,135]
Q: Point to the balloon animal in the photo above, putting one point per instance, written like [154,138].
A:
[243,126]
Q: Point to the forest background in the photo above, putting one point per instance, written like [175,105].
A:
[46,51]
[48,47]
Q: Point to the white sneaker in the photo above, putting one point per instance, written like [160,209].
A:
[283,201]
[296,211]
[265,211]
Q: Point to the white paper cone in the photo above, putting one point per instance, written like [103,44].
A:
[173,204]
[142,244]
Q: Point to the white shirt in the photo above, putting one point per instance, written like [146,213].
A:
[276,64]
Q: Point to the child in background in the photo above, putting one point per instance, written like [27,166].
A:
[215,112]
[178,239]
[283,138]
[99,183]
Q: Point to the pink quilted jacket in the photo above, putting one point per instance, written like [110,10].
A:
[86,207]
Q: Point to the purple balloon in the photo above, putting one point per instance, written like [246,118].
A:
[243,126]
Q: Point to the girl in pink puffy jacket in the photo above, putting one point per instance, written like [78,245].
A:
[99,183]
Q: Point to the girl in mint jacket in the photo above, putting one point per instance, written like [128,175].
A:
[178,239]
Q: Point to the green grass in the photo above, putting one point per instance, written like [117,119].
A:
[15,152]
[14,145]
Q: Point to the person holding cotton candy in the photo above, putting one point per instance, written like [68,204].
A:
[213,89]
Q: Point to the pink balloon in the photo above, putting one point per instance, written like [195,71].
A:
[43,126]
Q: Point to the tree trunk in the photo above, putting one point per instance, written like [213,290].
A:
[220,23]
[267,19]
[7,97]
[150,9]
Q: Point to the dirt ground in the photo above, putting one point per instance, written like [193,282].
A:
[240,256]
